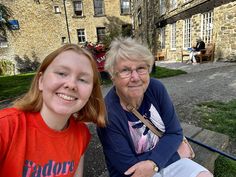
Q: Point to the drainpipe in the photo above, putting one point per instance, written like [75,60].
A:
[67,25]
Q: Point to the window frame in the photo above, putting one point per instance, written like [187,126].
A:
[81,36]
[3,42]
[187,33]
[122,11]
[57,9]
[173,4]
[102,7]
[162,37]
[78,12]
[173,36]
[207,26]
[162,7]
[100,36]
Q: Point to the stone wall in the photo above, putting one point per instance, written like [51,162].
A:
[41,29]
[224,26]
[225,31]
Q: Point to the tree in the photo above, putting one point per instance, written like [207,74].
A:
[5,15]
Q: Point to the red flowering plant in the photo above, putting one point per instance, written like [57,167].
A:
[99,53]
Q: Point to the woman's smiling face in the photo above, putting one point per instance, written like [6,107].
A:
[133,87]
[66,84]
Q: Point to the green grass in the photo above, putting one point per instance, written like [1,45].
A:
[224,167]
[161,72]
[220,117]
[13,86]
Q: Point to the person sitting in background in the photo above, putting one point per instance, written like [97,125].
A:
[44,134]
[131,148]
[196,50]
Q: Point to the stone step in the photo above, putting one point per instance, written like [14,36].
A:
[204,156]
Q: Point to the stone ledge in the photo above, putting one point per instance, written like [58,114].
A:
[204,156]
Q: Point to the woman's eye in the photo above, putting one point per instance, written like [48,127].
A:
[61,73]
[126,70]
[83,80]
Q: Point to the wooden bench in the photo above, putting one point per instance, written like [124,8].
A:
[161,55]
[206,54]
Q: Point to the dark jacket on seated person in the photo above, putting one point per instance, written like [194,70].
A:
[199,46]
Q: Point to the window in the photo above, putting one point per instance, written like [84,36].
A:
[173,4]
[162,37]
[100,34]
[81,35]
[98,7]
[162,7]
[78,7]
[139,16]
[63,40]
[125,6]
[187,33]
[207,27]
[3,42]
[57,10]
[173,36]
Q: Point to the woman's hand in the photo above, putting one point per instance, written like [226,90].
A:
[142,169]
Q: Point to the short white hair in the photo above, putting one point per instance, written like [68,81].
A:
[127,49]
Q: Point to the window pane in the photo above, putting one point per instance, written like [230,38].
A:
[125,7]
[162,37]
[78,8]
[100,34]
[187,33]
[81,35]
[98,7]
[173,36]
[207,27]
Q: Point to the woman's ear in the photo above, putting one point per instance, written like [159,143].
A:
[40,81]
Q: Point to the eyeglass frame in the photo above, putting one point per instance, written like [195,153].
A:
[130,71]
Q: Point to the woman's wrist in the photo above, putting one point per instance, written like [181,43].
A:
[155,168]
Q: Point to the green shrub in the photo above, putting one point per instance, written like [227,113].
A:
[6,67]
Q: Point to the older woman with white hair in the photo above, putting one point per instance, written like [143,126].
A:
[130,147]
[196,50]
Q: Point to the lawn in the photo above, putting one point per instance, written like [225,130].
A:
[13,86]
[220,117]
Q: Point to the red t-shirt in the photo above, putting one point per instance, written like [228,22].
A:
[28,147]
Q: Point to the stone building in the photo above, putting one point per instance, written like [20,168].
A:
[40,26]
[173,25]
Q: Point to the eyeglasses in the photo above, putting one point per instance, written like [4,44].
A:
[127,72]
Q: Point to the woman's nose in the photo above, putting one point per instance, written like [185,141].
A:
[134,75]
[71,83]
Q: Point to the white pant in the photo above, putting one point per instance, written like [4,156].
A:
[192,56]
[181,168]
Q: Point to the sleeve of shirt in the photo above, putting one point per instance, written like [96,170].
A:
[171,139]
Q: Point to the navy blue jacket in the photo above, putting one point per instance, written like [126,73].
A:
[199,46]
[117,143]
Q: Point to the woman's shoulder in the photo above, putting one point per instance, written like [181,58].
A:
[10,112]
[155,83]
[10,120]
